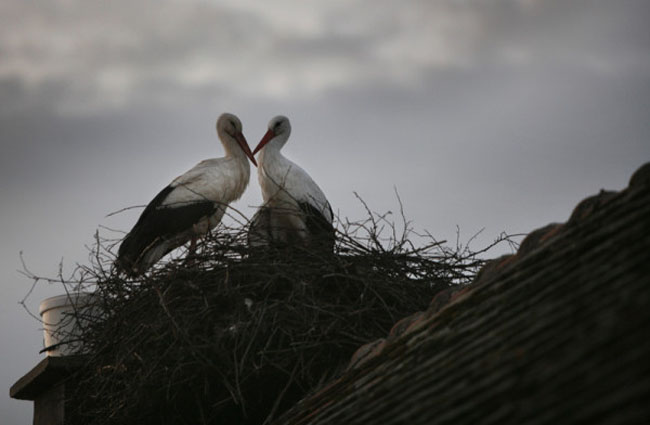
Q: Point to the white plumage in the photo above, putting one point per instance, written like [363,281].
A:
[192,204]
[295,210]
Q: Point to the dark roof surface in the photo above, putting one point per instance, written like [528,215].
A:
[557,333]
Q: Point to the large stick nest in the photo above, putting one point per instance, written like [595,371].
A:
[237,336]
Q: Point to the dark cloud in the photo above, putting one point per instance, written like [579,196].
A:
[102,56]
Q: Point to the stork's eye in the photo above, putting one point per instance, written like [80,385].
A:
[277,125]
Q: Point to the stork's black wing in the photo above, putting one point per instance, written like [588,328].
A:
[319,227]
[160,222]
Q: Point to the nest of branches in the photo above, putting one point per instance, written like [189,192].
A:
[235,335]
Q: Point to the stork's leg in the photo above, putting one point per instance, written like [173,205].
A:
[192,246]
[190,259]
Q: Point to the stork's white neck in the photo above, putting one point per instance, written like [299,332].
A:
[236,157]
[271,152]
[230,145]
[232,148]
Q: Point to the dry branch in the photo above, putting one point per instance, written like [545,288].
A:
[236,335]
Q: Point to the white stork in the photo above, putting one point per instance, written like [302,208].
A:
[295,210]
[191,205]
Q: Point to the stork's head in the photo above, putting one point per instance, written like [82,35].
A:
[229,129]
[279,130]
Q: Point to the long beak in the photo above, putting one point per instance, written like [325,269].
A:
[267,137]
[244,146]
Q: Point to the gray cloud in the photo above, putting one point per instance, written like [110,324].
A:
[103,55]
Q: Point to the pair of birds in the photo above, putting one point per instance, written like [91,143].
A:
[295,210]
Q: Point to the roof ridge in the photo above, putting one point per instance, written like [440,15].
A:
[494,269]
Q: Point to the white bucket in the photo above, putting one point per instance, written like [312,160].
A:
[64,317]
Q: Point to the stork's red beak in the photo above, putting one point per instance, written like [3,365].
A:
[244,146]
[267,137]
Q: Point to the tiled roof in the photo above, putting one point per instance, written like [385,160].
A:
[556,333]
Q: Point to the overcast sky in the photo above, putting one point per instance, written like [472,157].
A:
[499,114]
